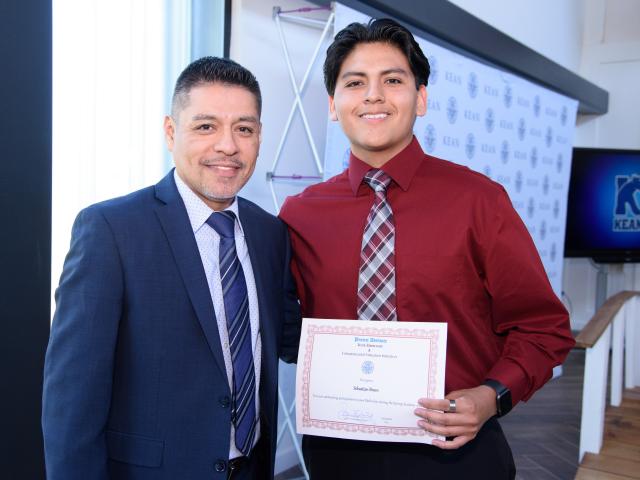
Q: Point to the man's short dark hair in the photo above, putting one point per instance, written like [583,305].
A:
[383,30]
[213,70]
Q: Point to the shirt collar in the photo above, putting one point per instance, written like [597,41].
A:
[198,211]
[401,168]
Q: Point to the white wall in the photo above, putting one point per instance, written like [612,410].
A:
[599,40]
[611,59]
[552,28]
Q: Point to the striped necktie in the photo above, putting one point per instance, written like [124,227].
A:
[376,279]
[236,307]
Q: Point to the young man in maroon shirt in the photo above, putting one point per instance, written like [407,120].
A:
[460,254]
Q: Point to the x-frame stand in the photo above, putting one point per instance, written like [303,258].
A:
[292,16]
[279,16]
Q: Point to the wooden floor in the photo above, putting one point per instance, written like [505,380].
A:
[620,454]
[544,433]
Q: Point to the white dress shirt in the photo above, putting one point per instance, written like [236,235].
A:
[208,242]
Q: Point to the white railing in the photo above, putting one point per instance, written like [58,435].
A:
[612,329]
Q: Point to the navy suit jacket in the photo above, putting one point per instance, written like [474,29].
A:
[135,384]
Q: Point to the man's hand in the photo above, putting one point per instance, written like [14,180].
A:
[474,406]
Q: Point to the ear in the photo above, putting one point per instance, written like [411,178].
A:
[260,133]
[421,101]
[169,131]
[332,110]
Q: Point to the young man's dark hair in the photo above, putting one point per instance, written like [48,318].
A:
[213,70]
[383,30]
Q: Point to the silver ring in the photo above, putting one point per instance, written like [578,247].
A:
[452,406]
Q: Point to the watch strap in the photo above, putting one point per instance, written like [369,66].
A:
[503,396]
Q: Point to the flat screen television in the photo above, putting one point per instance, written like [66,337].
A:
[603,211]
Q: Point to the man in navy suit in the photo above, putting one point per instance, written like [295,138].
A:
[173,307]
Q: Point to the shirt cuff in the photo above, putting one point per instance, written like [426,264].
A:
[512,376]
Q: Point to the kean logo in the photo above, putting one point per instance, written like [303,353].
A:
[367,367]
[536,106]
[430,138]
[433,70]
[470,147]
[472,85]
[549,137]
[531,207]
[504,152]
[452,110]
[507,96]
[545,185]
[489,120]
[563,115]
[518,181]
[345,158]
[533,157]
[522,129]
[626,215]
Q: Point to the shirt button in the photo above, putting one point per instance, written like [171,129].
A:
[220,466]
[224,401]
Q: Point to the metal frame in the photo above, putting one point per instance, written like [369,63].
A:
[280,15]
[298,89]
[289,427]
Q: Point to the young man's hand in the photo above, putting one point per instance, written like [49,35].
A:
[474,406]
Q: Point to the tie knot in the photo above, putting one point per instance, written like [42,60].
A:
[223,223]
[377,180]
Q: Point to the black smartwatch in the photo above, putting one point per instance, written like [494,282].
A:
[503,396]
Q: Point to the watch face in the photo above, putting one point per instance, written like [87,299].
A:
[503,397]
[504,402]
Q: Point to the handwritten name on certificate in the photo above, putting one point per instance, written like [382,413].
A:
[362,379]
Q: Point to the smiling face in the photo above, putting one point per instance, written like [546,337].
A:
[376,101]
[215,141]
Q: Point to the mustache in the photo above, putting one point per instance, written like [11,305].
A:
[223,161]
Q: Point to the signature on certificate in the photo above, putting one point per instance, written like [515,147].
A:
[354,414]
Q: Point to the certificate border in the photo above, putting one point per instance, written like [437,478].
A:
[313,330]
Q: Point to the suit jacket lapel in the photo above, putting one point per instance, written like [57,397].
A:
[175,223]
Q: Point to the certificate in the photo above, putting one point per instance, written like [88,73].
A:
[362,379]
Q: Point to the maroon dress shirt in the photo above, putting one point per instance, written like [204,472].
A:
[463,256]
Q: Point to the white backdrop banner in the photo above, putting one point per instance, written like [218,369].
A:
[514,131]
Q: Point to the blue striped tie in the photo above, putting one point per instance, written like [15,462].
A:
[236,307]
